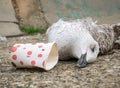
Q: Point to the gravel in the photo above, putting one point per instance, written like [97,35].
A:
[104,73]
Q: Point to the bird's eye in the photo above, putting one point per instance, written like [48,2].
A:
[93,49]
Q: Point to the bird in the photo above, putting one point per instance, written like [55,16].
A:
[104,34]
[73,40]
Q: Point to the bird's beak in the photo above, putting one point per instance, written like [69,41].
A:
[82,61]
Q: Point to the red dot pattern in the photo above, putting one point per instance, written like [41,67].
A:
[21,62]
[24,48]
[14,57]
[39,55]
[43,49]
[13,49]
[43,63]
[28,54]
[40,46]
[33,63]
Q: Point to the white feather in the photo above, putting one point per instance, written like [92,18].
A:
[73,39]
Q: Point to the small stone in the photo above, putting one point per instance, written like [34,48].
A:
[3,38]
[110,71]
[107,59]
[117,67]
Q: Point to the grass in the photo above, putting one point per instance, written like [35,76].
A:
[32,30]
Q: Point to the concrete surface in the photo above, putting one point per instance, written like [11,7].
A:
[104,10]
[104,73]
[8,19]
[6,11]
[9,29]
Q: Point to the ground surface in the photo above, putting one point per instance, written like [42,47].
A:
[104,73]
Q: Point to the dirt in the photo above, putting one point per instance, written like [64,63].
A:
[104,73]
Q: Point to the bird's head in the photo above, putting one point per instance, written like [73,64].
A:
[89,54]
[88,51]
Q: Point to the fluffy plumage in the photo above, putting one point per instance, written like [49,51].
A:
[83,38]
[103,34]
[116,28]
[73,40]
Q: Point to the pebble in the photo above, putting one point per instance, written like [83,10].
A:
[109,71]
[3,38]
[107,59]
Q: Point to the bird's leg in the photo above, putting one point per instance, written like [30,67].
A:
[82,61]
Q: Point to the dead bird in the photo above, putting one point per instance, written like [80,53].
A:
[73,40]
[103,34]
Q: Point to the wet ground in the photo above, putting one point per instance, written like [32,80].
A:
[104,73]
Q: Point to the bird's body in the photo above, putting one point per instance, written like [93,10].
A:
[116,28]
[73,40]
[103,34]
[69,37]
[105,39]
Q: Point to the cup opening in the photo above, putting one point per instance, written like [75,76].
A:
[52,58]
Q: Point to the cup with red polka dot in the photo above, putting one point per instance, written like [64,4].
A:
[42,55]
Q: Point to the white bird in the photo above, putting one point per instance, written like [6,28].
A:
[103,34]
[73,40]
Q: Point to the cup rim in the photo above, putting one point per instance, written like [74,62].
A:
[52,58]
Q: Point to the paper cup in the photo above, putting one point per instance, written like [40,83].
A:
[35,55]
